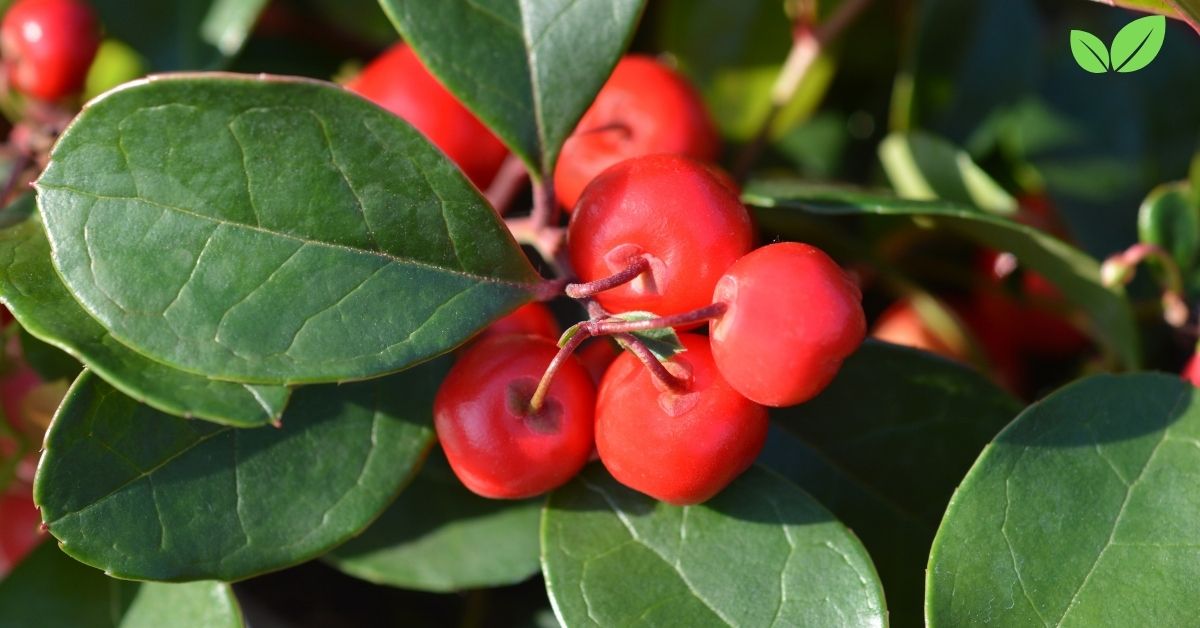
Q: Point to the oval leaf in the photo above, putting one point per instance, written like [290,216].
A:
[760,553]
[527,68]
[438,536]
[1081,513]
[144,495]
[886,463]
[923,166]
[272,231]
[1090,53]
[32,290]
[50,589]
[1169,219]
[1136,45]
[1075,273]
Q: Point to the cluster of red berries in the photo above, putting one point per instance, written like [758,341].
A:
[663,234]
[654,228]
[47,46]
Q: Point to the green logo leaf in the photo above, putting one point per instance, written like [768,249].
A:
[1090,53]
[1136,45]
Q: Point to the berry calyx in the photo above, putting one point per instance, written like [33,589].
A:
[397,81]
[48,46]
[645,108]
[678,447]
[496,444]
[793,316]
[670,213]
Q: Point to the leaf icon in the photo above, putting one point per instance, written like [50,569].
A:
[1136,45]
[1090,53]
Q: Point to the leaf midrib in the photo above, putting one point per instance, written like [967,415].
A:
[392,259]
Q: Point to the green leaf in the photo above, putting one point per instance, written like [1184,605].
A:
[144,495]
[1081,513]
[1136,45]
[49,589]
[760,553]
[923,166]
[1075,273]
[1090,53]
[48,361]
[887,462]
[1169,219]
[32,290]
[272,231]
[663,343]
[527,68]
[438,536]
[182,34]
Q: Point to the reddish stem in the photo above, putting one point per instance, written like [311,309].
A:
[637,266]
[613,327]
[543,388]
[545,205]
[643,353]
[507,184]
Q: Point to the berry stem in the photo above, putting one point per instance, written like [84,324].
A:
[545,206]
[637,266]
[808,41]
[1120,268]
[507,183]
[564,353]
[643,353]
[612,327]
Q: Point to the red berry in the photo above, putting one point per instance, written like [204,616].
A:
[398,82]
[793,316]
[680,448]
[902,324]
[672,211]
[531,318]
[20,527]
[494,444]
[48,46]
[596,356]
[645,108]
[1191,371]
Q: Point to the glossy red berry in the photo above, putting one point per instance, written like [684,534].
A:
[645,108]
[532,318]
[793,316]
[20,524]
[681,448]
[398,82]
[672,211]
[48,46]
[495,445]
[1191,371]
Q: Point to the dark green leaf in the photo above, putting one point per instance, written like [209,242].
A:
[49,589]
[1170,219]
[1081,513]
[438,536]
[887,461]
[144,495]
[34,293]
[1090,53]
[760,553]
[1072,271]
[663,343]
[1136,45]
[273,231]
[923,166]
[48,361]
[182,34]
[527,68]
